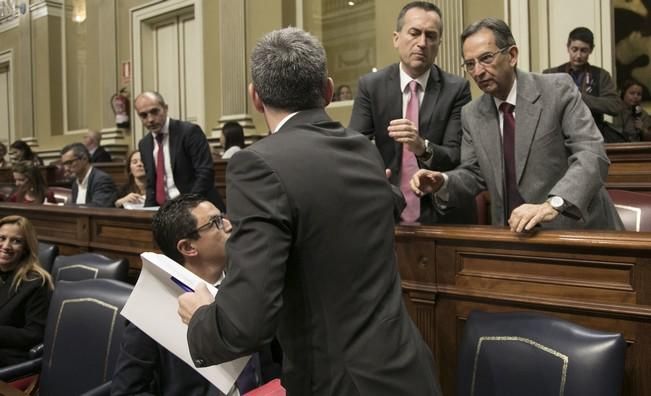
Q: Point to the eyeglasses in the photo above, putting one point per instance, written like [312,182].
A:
[69,162]
[214,221]
[483,59]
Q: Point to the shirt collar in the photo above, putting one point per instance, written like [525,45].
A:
[84,181]
[283,121]
[513,94]
[405,79]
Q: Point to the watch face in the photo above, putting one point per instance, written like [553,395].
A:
[556,202]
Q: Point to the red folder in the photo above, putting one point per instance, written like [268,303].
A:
[271,388]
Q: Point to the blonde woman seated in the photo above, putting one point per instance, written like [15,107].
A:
[31,187]
[25,289]
[135,189]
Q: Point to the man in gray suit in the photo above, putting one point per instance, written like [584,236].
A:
[431,140]
[530,140]
[311,255]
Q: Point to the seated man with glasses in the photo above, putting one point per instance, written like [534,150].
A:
[193,232]
[91,186]
[530,140]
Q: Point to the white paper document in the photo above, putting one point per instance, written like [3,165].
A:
[153,305]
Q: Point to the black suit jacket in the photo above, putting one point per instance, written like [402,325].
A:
[100,155]
[379,100]
[23,314]
[192,164]
[311,259]
[101,190]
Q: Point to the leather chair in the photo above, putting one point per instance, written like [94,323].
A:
[525,353]
[47,252]
[634,208]
[61,194]
[82,338]
[89,266]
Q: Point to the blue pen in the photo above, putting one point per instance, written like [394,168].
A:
[182,285]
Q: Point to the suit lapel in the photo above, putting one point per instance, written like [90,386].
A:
[89,190]
[527,116]
[5,292]
[173,137]
[491,138]
[393,111]
[430,98]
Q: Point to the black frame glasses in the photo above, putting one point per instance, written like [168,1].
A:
[70,161]
[484,59]
[216,221]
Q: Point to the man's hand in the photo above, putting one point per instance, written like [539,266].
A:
[406,132]
[190,302]
[526,216]
[426,181]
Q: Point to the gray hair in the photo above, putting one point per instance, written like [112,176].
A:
[289,70]
[501,31]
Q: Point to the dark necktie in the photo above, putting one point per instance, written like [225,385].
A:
[513,197]
[160,170]
[409,165]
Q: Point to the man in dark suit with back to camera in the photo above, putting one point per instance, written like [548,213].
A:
[530,140]
[184,166]
[92,140]
[419,130]
[91,186]
[311,255]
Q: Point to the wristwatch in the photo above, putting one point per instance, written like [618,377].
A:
[558,203]
[427,154]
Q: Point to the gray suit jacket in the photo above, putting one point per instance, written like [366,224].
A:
[558,149]
[379,100]
[101,190]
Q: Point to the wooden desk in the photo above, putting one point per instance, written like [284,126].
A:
[601,280]
[114,232]
[630,167]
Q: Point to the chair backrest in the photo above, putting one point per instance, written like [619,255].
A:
[82,335]
[47,252]
[634,208]
[524,353]
[89,266]
[61,194]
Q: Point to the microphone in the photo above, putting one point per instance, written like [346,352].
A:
[637,112]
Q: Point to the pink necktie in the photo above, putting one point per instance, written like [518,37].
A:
[409,165]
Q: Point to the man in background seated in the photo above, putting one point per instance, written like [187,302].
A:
[185,164]
[529,140]
[91,187]
[415,126]
[92,141]
[595,84]
[191,231]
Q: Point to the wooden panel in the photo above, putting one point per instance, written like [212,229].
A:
[601,280]
[630,167]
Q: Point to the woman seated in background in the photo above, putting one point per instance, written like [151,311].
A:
[19,151]
[25,289]
[232,139]
[134,191]
[31,187]
[633,121]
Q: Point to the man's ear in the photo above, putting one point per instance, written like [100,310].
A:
[329,91]
[186,248]
[255,98]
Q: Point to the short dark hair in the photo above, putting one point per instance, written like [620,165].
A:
[289,70]
[501,31]
[175,221]
[78,149]
[233,135]
[427,6]
[583,34]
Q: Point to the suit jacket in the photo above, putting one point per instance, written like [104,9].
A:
[144,367]
[558,151]
[192,164]
[100,155]
[311,259]
[23,314]
[379,100]
[101,190]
